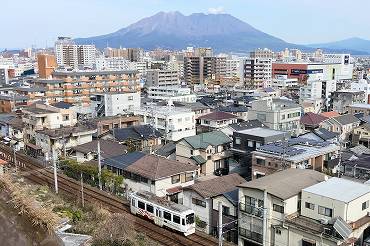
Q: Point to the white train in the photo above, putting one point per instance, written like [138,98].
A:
[163,212]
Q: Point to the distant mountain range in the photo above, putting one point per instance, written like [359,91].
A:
[173,30]
[356,44]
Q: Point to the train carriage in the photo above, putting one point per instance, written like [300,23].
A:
[164,213]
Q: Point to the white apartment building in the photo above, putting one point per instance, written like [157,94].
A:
[264,204]
[277,114]
[174,123]
[162,78]
[257,72]
[312,90]
[282,82]
[303,207]
[172,94]
[362,85]
[70,54]
[115,103]
[112,63]
[233,69]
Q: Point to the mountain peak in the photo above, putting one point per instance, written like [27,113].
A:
[173,30]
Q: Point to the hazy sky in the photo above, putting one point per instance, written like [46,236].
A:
[36,22]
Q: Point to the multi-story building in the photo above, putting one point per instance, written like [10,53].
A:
[341,100]
[210,151]
[46,65]
[112,63]
[72,55]
[362,85]
[304,70]
[171,94]
[174,123]
[277,114]
[233,69]
[295,153]
[162,78]
[257,72]
[264,204]
[246,141]
[115,103]
[158,175]
[343,125]
[199,69]
[77,86]
[216,121]
[261,53]
[203,198]
[4,76]
[359,108]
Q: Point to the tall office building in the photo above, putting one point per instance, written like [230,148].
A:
[46,65]
[72,55]
[257,72]
[198,69]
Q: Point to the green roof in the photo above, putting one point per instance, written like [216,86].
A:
[203,140]
[199,159]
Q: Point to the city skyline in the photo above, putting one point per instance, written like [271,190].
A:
[36,23]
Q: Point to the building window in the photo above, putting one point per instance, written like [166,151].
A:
[250,144]
[175,179]
[277,231]
[130,98]
[365,205]
[198,202]
[306,242]
[192,152]
[250,201]
[310,205]
[325,211]
[260,161]
[188,177]
[278,208]
[225,210]
[237,140]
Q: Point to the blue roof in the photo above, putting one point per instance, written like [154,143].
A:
[123,161]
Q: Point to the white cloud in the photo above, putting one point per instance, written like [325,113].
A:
[216,10]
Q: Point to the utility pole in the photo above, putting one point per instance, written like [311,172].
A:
[55,171]
[82,191]
[219,223]
[99,165]
[264,236]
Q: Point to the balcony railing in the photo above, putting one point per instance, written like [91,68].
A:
[252,210]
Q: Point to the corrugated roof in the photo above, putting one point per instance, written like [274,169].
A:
[203,140]
[330,114]
[217,186]
[349,190]
[287,183]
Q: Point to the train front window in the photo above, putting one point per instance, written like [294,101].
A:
[190,219]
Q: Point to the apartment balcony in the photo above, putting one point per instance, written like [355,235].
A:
[221,155]
[85,92]
[68,94]
[251,210]
[68,87]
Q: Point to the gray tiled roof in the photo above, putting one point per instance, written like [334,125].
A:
[346,119]
[203,140]
[216,186]
[287,183]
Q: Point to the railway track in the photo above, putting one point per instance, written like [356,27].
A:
[36,172]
